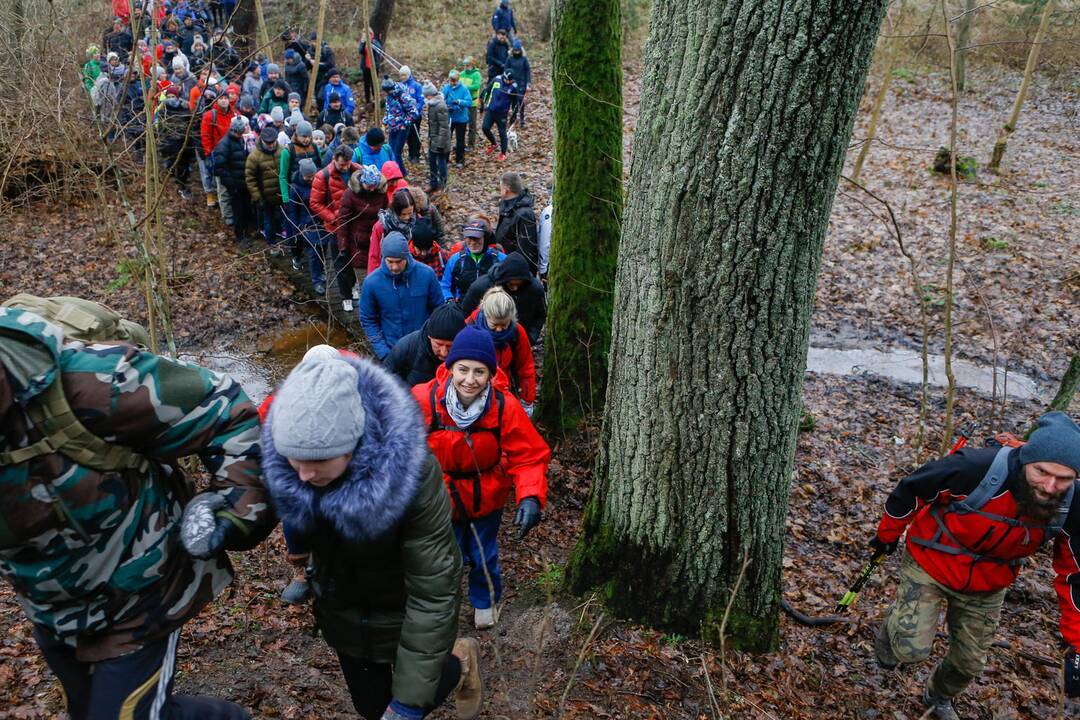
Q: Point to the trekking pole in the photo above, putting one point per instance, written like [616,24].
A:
[857,586]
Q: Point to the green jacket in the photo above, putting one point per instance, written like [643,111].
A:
[95,557]
[473,80]
[387,569]
[290,161]
[261,174]
[91,71]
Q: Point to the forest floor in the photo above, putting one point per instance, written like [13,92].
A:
[553,655]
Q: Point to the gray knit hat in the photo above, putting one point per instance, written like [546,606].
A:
[1056,440]
[307,167]
[318,413]
[303,128]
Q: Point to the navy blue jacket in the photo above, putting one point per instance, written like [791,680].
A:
[497,53]
[503,19]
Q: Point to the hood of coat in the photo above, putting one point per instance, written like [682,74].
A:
[391,170]
[358,189]
[435,101]
[523,200]
[514,267]
[383,476]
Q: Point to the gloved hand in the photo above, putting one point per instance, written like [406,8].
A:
[528,515]
[528,408]
[400,711]
[879,545]
[204,529]
[1072,674]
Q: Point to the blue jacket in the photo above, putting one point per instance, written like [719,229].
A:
[500,96]
[497,53]
[503,19]
[459,100]
[366,156]
[417,92]
[461,271]
[392,306]
[300,219]
[348,104]
[518,65]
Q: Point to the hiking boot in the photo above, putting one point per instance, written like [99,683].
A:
[470,690]
[485,618]
[355,292]
[275,251]
[296,592]
[296,264]
[211,199]
[940,707]
[320,289]
[185,194]
[883,648]
[346,305]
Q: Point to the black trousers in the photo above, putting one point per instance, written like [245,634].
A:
[137,685]
[458,129]
[412,141]
[371,684]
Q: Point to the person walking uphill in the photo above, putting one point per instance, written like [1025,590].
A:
[97,562]
[459,103]
[397,297]
[484,442]
[438,138]
[261,176]
[971,518]
[415,357]
[345,463]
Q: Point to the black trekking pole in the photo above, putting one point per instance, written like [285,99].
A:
[856,587]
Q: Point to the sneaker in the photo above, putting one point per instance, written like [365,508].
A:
[485,619]
[211,199]
[296,264]
[459,166]
[883,650]
[469,698]
[491,150]
[297,592]
[940,707]
[502,157]
[185,194]
[356,292]
[320,289]
[275,251]
[346,305]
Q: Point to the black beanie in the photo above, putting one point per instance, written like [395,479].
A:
[445,322]
[375,136]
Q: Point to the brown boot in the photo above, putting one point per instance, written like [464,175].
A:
[470,689]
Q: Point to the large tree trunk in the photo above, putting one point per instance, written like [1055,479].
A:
[381,15]
[747,109]
[587,79]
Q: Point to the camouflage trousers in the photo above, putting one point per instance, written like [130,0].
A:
[912,622]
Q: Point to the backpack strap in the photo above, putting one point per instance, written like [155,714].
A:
[988,487]
[62,433]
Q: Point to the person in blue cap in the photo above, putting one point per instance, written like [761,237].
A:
[503,18]
[518,65]
[971,518]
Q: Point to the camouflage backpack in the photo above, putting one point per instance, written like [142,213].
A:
[60,430]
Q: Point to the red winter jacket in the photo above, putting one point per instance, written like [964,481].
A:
[215,125]
[517,455]
[327,211]
[516,360]
[934,486]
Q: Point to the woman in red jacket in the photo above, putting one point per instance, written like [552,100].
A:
[498,315]
[485,443]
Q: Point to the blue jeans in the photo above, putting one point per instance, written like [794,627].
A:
[295,543]
[322,252]
[271,223]
[437,163]
[397,144]
[477,556]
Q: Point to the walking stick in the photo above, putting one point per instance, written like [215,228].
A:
[856,587]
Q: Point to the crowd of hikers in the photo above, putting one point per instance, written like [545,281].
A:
[387,474]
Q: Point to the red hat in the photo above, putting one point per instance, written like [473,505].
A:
[173,90]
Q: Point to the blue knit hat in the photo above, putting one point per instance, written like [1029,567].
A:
[1056,440]
[473,343]
[369,175]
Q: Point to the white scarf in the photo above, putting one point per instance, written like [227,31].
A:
[464,416]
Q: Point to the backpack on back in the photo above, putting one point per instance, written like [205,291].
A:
[81,319]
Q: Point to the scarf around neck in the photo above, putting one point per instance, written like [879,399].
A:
[392,222]
[501,338]
[463,416]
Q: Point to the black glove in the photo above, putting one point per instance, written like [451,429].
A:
[1072,674]
[204,528]
[528,515]
[880,546]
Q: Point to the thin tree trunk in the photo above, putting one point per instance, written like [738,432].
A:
[891,51]
[1070,383]
[950,391]
[381,15]
[264,33]
[747,110]
[308,103]
[587,79]
[1029,70]
[963,39]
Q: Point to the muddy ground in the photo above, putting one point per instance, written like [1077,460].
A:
[1017,286]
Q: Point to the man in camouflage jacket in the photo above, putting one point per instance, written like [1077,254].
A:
[96,558]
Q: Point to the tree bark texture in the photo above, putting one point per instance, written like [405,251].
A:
[1070,383]
[747,110]
[963,39]
[587,79]
[381,15]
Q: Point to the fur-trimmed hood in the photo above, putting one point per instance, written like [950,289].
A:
[383,476]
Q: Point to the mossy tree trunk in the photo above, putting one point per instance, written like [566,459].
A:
[1070,383]
[747,110]
[963,39]
[587,79]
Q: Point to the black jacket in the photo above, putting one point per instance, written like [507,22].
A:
[529,298]
[230,159]
[518,65]
[411,358]
[296,74]
[517,230]
[497,53]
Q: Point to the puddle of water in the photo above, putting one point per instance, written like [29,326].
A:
[906,366]
[261,368]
